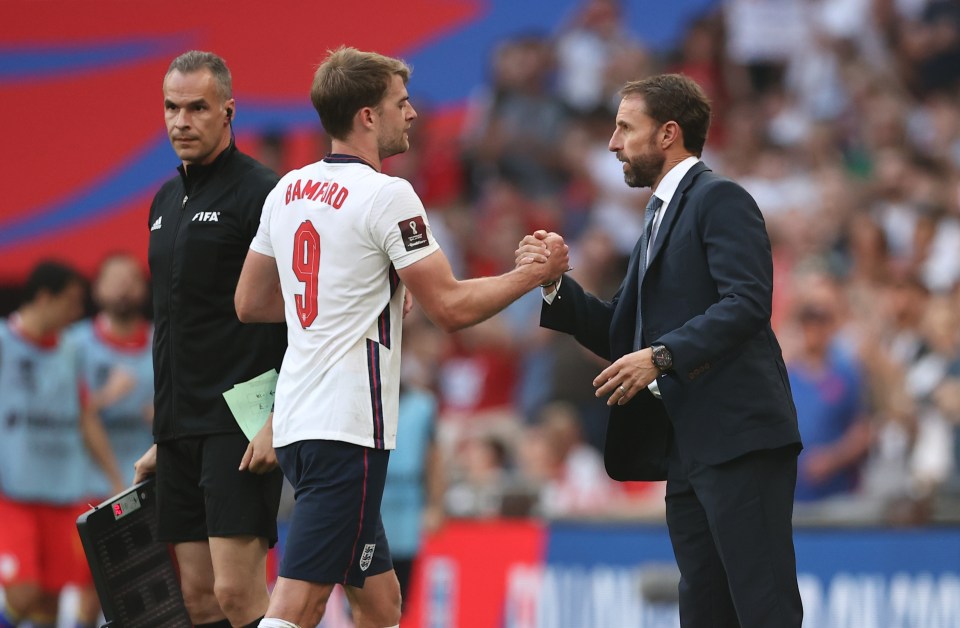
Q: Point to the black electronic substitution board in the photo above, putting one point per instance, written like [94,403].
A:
[134,574]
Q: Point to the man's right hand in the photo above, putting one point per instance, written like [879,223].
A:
[146,465]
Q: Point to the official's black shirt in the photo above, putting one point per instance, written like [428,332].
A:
[201,225]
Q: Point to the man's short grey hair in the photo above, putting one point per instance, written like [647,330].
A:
[197,60]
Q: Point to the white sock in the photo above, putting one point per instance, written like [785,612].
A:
[273,622]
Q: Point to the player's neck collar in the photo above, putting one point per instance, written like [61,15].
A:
[342,158]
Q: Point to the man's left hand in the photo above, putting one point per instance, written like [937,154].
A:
[260,457]
[626,377]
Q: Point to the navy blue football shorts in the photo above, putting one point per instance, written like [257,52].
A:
[336,535]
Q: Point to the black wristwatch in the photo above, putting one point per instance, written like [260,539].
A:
[662,358]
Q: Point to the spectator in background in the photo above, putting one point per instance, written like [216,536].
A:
[947,400]
[933,454]
[585,51]
[699,55]
[762,35]
[886,320]
[480,477]
[512,126]
[828,392]
[904,186]
[865,255]
[568,476]
[412,503]
[43,462]
[573,480]
[930,45]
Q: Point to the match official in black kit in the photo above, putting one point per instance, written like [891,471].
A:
[217,494]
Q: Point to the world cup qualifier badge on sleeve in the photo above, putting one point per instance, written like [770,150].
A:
[414,233]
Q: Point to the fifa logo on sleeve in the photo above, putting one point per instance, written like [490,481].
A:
[413,231]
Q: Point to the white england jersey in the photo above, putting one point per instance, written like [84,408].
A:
[338,230]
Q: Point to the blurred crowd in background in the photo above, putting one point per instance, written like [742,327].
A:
[841,117]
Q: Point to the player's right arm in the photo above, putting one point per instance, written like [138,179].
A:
[452,304]
[258,298]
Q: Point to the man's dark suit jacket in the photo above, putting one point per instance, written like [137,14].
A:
[706,295]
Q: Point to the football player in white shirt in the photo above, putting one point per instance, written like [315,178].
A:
[338,245]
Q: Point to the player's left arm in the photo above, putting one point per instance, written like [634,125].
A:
[258,298]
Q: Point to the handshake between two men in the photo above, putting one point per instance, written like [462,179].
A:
[537,248]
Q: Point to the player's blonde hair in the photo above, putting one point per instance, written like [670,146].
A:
[349,80]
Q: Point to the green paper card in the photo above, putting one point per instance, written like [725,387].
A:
[251,402]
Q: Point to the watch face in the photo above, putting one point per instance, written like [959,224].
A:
[662,357]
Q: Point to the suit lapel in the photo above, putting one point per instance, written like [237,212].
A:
[672,211]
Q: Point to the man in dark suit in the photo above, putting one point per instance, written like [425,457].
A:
[698,389]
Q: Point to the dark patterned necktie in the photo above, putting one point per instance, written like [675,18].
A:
[652,206]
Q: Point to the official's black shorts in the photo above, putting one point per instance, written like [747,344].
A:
[201,493]
[336,534]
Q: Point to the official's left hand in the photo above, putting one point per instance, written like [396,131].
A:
[260,457]
[626,377]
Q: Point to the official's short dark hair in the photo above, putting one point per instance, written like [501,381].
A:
[52,277]
[196,60]
[349,80]
[678,98]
